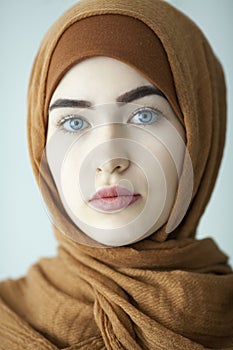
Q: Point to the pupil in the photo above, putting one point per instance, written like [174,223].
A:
[76,124]
[146,116]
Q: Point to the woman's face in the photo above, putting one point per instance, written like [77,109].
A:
[115,149]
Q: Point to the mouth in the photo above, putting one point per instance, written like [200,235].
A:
[113,198]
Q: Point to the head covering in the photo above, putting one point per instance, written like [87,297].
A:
[169,291]
[110,35]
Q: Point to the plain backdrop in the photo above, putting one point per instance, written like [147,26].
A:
[26,232]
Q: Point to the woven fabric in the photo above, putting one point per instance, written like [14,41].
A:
[169,291]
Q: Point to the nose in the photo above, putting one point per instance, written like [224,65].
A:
[114,165]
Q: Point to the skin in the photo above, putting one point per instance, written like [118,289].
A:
[137,144]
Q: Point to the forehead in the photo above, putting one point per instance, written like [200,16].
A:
[99,78]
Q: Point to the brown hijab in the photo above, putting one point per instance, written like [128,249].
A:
[169,291]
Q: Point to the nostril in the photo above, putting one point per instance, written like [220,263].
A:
[113,165]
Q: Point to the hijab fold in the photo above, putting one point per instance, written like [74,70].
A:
[168,291]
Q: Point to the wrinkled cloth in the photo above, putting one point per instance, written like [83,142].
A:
[169,291]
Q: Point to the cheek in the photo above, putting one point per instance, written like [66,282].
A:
[166,177]
[70,185]
[171,166]
[169,149]
[73,192]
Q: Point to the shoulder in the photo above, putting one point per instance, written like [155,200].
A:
[16,334]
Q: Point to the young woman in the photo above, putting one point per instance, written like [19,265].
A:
[126,127]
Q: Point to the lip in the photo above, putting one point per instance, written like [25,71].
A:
[113,198]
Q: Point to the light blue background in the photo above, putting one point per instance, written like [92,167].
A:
[26,232]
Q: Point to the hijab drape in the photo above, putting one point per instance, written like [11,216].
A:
[169,291]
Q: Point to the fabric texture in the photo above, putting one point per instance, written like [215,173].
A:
[169,291]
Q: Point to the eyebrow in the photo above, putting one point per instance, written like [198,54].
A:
[129,96]
[61,103]
[139,93]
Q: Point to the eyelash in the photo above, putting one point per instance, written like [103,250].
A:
[60,123]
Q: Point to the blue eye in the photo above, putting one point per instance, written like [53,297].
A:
[72,123]
[145,116]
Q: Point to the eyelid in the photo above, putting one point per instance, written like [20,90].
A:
[62,120]
[153,109]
